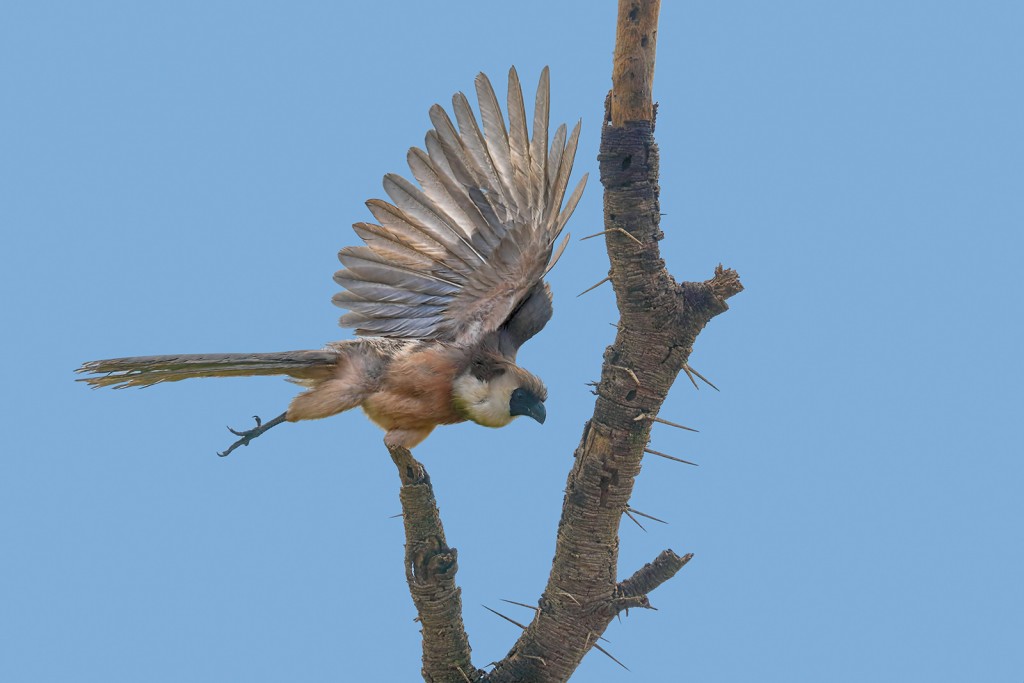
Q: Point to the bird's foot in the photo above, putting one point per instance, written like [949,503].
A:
[250,434]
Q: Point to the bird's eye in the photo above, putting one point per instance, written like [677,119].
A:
[485,371]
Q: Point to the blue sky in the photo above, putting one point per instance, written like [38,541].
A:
[178,178]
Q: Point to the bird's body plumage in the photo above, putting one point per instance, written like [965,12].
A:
[446,289]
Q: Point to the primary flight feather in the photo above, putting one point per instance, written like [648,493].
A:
[450,283]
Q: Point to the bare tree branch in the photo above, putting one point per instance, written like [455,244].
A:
[659,321]
[649,577]
[636,40]
[430,567]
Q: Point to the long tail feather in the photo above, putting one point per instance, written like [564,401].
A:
[143,371]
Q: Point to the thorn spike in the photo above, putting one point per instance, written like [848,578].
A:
[521,604]
[606,232]
[570,596]
[635,520]
[644,514]
[593,287]
[509,619]
[705,379]
[670,457]
[628,372]
[686,369]
[609,656]
[673,424]
[652,418]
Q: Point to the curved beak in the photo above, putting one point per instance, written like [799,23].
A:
[538,412]
[525,403]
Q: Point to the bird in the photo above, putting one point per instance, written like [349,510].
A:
[446,287]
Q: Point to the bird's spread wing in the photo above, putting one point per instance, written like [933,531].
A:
[464,254]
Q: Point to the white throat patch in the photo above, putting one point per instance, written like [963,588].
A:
[486,403]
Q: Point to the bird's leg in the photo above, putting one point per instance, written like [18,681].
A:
[250,434]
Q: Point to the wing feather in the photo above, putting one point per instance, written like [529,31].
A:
[570,206]
[457,258]
[470,198]
[364,263]
[519,140]
[390,327]
[539,142]
[561,180]
[454,153]
[478,154]
[378,291]
[422,211]
[555,159]
[375,309]
[398,224]
[453,150]
[391,247]
[498,144]
[557,255]
[441,188]
[401,297]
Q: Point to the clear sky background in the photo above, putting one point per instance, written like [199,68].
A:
[177,177]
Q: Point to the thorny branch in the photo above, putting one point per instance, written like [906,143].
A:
[430,567]
[659,321]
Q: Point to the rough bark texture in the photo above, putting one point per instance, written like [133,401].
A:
[636,42]
[430,567]
[659,321]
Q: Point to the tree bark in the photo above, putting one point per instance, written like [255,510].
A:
[430,567]
[659,321]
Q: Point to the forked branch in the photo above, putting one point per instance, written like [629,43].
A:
[659,321]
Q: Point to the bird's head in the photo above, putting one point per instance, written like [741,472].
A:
[492,391]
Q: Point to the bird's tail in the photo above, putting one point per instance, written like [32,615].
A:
[144,371]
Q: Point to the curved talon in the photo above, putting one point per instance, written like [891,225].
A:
[244,441]
[259,423]
[250,434]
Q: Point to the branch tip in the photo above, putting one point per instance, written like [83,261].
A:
[726,282]
[650,576]
[431,566]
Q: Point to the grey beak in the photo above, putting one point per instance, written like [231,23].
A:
[525,403]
